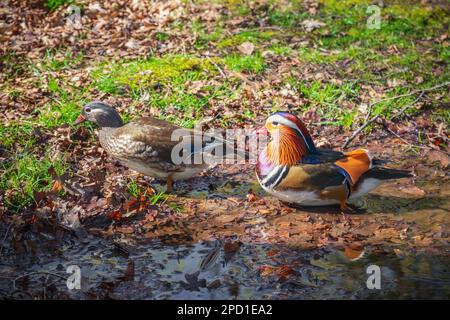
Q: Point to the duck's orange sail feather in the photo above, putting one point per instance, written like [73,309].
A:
[355,163]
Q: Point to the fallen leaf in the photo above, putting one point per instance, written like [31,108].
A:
[226,218]
[57,186]
[354,252]
[115,215]
[284,271]
[230,249]
[413,191]
[251,196]
[266,270]
[246,48]
[435,156]
[310,25]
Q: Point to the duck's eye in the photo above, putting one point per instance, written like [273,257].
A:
[87,110]
[275,123]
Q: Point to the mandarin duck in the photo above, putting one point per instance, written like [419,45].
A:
[293,170]
[146,144]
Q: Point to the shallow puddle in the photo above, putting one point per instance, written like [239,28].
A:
[232,248]
[206,270]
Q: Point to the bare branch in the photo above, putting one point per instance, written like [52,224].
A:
[371,120]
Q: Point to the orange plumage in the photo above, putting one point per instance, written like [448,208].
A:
[287,148]
[355,163]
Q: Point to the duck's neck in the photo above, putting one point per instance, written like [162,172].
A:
[285,148]
[104,136]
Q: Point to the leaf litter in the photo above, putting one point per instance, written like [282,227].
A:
[260,237]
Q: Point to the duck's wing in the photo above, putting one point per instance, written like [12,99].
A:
[154,140]
[358,164]
[329,167]
[311,177]
[354,164]
[336,177]
[151,141]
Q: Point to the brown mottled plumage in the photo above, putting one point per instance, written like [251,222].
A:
[144,145]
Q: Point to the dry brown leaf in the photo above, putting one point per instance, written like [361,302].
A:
[435,156]
[413,191]
[354,252]
[246,48]
[226,218]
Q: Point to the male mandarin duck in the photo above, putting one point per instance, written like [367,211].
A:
[292,169]
[145,145]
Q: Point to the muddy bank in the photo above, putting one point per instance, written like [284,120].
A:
[220,237]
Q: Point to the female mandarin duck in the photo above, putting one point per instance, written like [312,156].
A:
[145,145]
[292,169]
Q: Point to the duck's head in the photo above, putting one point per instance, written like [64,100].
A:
[289,139]
[101,114]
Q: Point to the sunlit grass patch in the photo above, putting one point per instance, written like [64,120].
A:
[253,36]
[280,49]
[346,23]
[418,14]
[65,106]
[54,4]
[189,106]
[24,174]
[325,98]
[343,6]
[56,114]
[56,60]
[165,83]
[118,76]
[248,63]
[138,191]
[16,135]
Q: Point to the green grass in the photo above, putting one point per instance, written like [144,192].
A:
[56,114]
[325,96]
[280,50]
[249,63]
[54,4]
[137,190]
[15,136]
[246,36]
[164,84]
[120,77]
[287,18]
[26,174]
[55,60]
[203,37]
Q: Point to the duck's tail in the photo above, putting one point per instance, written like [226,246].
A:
[383,173]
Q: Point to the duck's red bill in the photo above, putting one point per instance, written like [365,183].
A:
[79,120]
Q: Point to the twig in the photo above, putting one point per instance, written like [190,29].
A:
[369,121]
[406,141]
[398,136]
[407,106]
[358,131]
[218,68]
